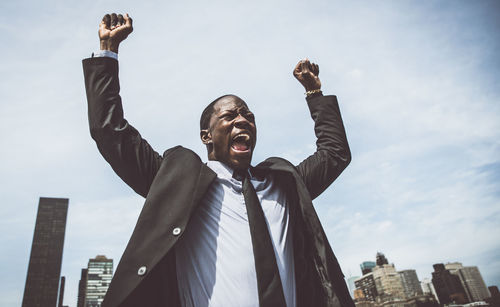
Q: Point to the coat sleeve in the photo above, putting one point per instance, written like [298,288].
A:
[130,156]
[332,150]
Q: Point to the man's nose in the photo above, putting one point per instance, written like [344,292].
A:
[241,121]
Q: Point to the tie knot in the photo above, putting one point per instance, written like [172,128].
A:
[240,174]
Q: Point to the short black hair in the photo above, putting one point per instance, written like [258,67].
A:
[209,110]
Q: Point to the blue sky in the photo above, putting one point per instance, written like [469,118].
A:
[418,89]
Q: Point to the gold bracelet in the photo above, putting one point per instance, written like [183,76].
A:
[309,93]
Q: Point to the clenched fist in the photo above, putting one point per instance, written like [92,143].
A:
[307,74]
[113,30]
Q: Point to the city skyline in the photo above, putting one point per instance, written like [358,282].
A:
[97,276]
[450,283]
[417,85]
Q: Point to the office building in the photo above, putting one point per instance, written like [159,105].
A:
[448,286]
[494,300]
[471,280]
[99,274]
[82,289]
[366,284]
[350,284]
[473,283]
[410,283]
[428,288]
[61,292]
[493,290]
[361,301]
[44,269]
[381,259]
[453,267]
[388,283]
[367,266]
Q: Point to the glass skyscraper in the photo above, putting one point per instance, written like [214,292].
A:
[99,274]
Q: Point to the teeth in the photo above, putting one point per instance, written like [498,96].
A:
[242,137]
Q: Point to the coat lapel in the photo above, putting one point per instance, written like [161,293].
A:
[175,193]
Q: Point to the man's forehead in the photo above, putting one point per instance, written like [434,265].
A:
[230,103]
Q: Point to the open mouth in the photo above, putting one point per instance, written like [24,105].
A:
[242,142]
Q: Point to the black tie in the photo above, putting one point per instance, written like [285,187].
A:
[268,277]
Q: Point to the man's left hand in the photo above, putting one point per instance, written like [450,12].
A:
[307,74]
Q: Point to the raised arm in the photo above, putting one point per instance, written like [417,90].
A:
[332,150]
[130,156]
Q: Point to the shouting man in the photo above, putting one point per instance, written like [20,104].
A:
[221,233]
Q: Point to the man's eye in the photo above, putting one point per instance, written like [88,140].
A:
[250,117]
[228,116]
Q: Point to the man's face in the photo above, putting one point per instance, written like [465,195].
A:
[232,133]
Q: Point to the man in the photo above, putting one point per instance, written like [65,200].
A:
[222,233]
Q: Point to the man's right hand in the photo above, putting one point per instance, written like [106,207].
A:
[113,30]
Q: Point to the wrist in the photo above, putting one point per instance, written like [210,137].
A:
[314,92]
[108,46]
[312,87]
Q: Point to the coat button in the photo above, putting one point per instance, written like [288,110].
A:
[176,231]
[141,271]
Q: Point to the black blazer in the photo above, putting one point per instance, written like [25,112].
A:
[174,184]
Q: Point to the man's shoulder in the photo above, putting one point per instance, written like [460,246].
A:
[276,164]
[181,152]
[180,160]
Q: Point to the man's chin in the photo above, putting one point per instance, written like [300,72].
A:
[241,162]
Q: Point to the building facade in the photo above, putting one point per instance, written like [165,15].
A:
[410,283]
[99,274]
[471,280]
[388,283]
[428,288]
[448,286]
[367,266]
[61,292]
[473,283]
[350,284]
[366,284]
[44,269]
[381,259]
[82,289]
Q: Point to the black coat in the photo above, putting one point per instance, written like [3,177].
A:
[174,184]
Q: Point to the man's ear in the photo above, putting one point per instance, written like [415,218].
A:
[206,137]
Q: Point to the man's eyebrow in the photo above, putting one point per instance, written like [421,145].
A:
[227,112]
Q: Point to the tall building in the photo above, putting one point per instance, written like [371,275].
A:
[388,283]
[61,292]
[367,266]
[350,284]
[82,289]
[366,284]
[428,288]
[410,282]
[453,267]
[474,284]
[381,259]
[448,287]
[44,269]
[361,301]
[99,274]
[494,300]
[471,280]
[493,290]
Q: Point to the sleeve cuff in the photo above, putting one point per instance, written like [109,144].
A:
[105,53]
